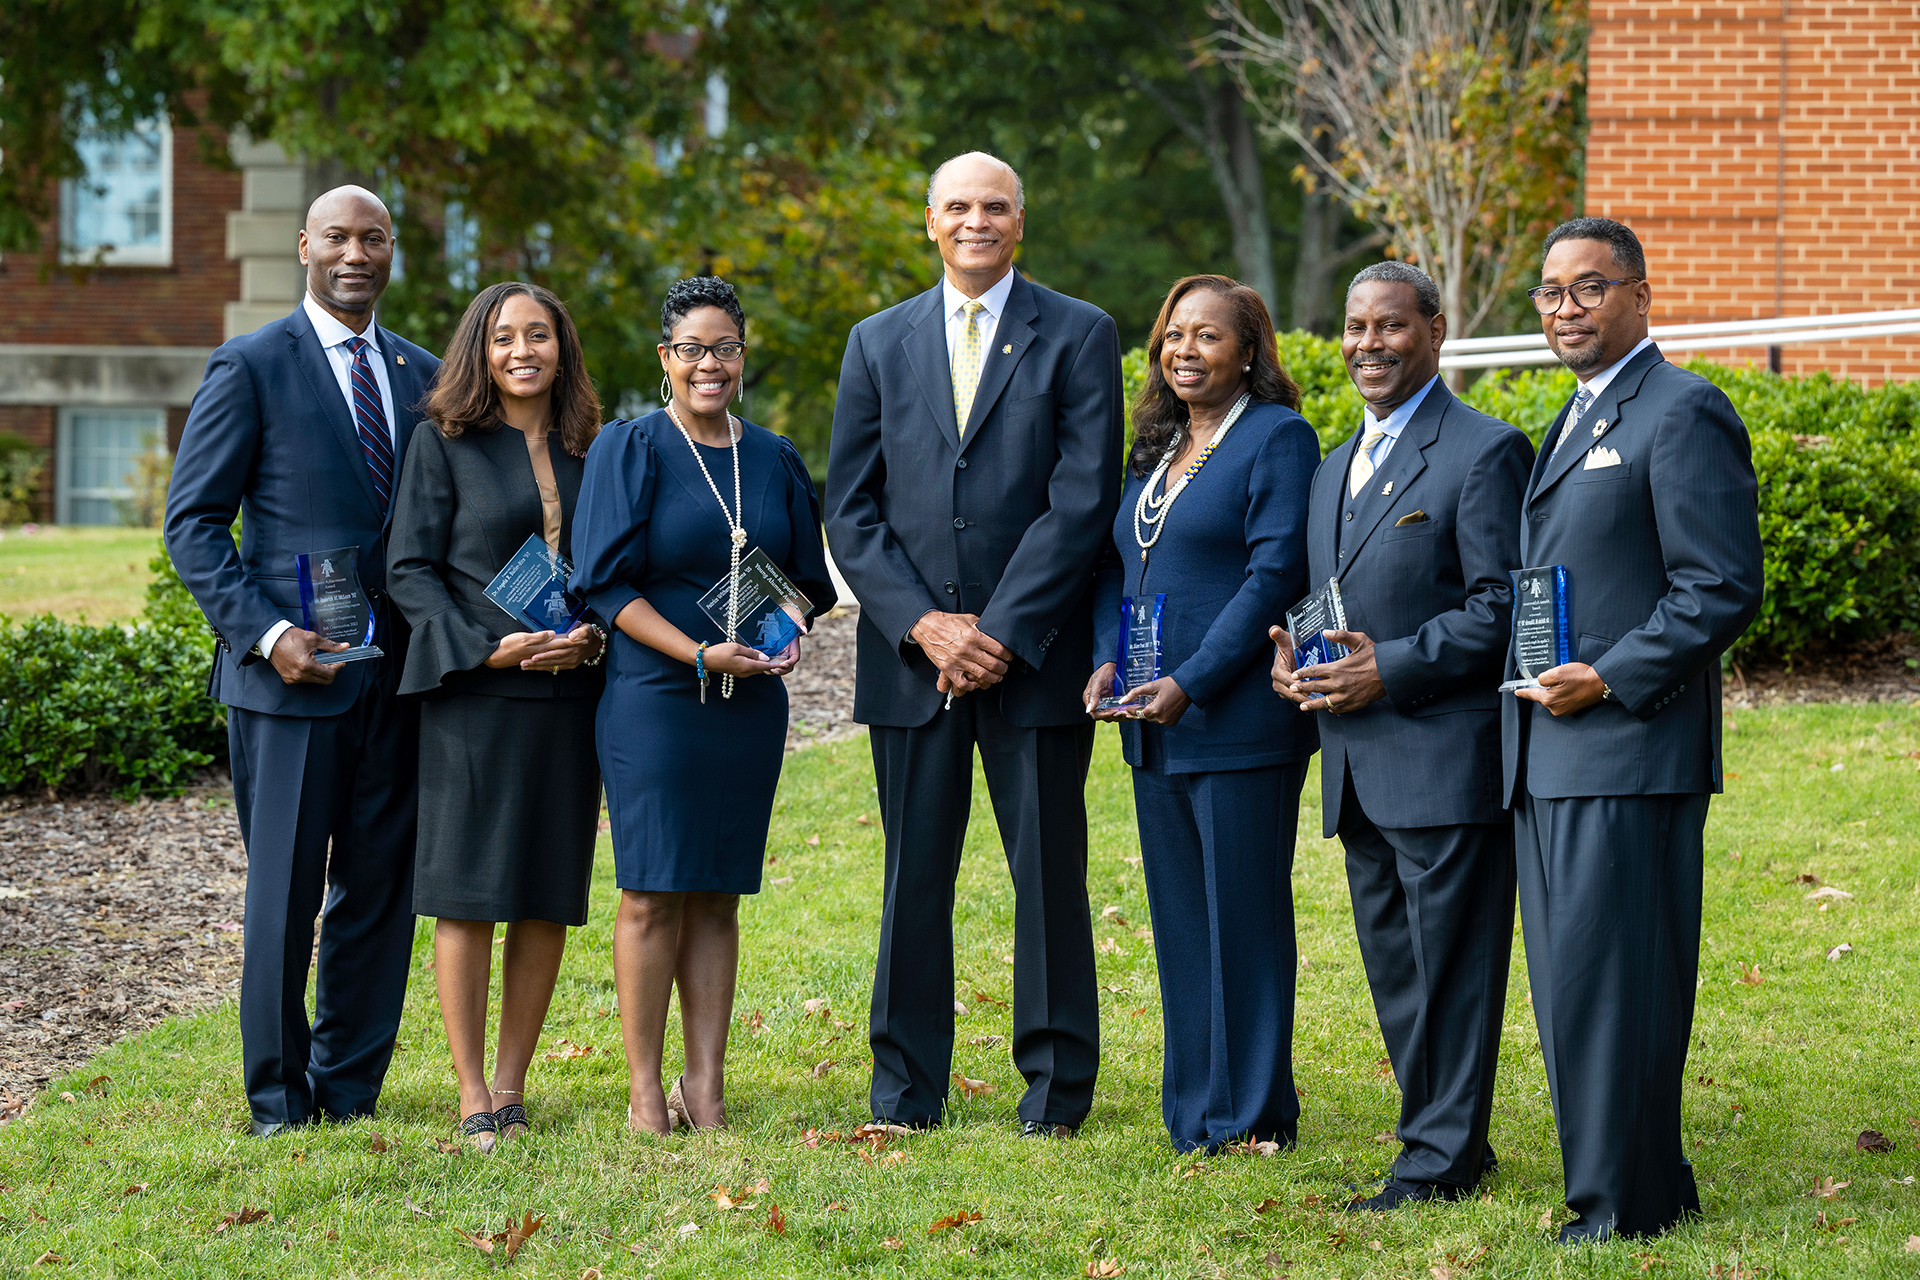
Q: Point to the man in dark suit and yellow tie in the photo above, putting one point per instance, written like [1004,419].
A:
[1644,491]
[1418,517]
[301,427]
[971,487]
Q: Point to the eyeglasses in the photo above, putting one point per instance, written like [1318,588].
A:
[731,349]
[1588,293]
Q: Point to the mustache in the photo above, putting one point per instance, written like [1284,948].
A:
[1374,357]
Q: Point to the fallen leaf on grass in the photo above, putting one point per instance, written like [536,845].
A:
[892,1157]
[1385,1139]
[48,1259]
[781,882]
[97,1087]
[971,1088]
[986,1042]
[981,997]
[567,1049]
[1839,951]
[821,1068]
[67,1097]
[687,1228]
[1823,1223]
[446,1148]
[244,1216]
[834,1206]
[1545,1222]
[959,1219]
[959,1010]
[1106,1267]
[1313,1200]
[813,842]
[866,1132]
[722,1198]
[760,1188]
[1144,933]
[1913,1244]
[1195,1171]
[816,1005]
[136,1188]
[1826,893]
[424,1210]
[1335,1239]
[1264,1205]
[1267,1148]
[1107,946]
[1805,877]
[864,820]
[1828,1189]
[756,1022]
[1750,974]
[591,1273]
[377,1142]
[776,1220]
[891,1242]
[1649,1261]
[1384,1068]
[1872,1140]
[484,1243]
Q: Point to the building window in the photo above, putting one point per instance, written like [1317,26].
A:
[121,212]
[99,453]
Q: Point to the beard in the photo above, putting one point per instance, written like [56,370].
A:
[1587,357]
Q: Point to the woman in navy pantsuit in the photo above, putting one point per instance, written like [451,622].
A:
[1214,517]
[692,728]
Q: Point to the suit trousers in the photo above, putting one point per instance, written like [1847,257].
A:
[1217,851]
[1037,778]
[1433,908]
[326,807]
[1610,910]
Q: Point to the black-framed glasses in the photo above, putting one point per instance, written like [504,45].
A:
[1588,293]
[731,349]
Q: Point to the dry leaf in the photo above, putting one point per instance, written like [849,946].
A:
[1873,1140]
[816,1005]
[1144,933]
[1828,1189]
[378,1143]
[1649,1261]
[959,1010]
[1913,1244]
[568,1049]
[1106,1267]
[48,1259]
[1384,1068]
[866,1132]
[1385,1139]
[1750,974]
[136,1188]
[1313,1200]
[722,1198]
[1805,877]
[776,1220]
[1264,1205]
[986,1042]
[834,1206]
[97,1087]
[1266,1148]
[892,1157]
[781,882]
[971,1088]
[959,1219]
[1107,946]
[756,1022]
[1440,1271]
[1839,951]
[981,997]
[1546,1220]
[823,1066]
[424,1210]
[591,1273]
[813,842]
[1828,893]
[484,1243]
[760,1188]
[686,1229]
[244,1216]
[1823,1223]
[891,1242]
[864,820]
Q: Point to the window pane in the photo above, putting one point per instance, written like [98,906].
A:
[118,205]
[103,447]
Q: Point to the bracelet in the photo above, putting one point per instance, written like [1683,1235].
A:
[599,653]
[700,669]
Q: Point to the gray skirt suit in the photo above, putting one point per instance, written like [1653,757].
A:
[509,782]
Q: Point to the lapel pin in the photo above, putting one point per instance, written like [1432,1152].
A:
[399,359]
[1598,427]
[1007,350]
[1386,488]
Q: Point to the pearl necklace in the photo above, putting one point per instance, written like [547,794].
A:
[1151,511]
[736,530]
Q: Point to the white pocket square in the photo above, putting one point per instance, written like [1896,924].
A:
[1601,456]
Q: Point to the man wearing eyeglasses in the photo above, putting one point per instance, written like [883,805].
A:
[1644,491]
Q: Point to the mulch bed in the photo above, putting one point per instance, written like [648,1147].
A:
[114,916]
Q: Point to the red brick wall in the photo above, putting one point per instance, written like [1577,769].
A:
[174,306]
[1749,210]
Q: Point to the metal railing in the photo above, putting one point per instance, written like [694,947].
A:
[1531,348]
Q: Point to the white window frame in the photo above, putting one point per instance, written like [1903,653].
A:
[160,255]
[63,493]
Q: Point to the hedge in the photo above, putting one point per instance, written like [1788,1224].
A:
[125,708]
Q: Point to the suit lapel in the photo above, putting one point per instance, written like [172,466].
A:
[1604,413]
[406,397]
[926,351]
[1323,535]
[1012,338]
[1396,474]
[303,346]
[567,472]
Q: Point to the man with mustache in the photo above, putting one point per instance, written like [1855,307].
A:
[971,487]
[301,427]
[1418,518]
[1644,491]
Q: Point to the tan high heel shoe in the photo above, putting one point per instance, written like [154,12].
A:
[678,1117]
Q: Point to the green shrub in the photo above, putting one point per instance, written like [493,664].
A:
[120,708]
[23,469]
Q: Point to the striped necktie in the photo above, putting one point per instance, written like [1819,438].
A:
[1582,401]
[966,365]
[370,421]
[1363,462]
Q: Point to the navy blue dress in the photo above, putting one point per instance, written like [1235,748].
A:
[1218,795]
[689,785]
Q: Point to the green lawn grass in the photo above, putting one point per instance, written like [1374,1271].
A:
[76,572]
[1783,1077]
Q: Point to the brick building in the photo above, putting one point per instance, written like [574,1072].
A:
[1767,154]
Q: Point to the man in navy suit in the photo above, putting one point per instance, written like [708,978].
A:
[971,486]
[1644,490]
[301,427]
[1418,518]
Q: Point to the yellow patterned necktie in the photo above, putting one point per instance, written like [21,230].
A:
[966,365]
[1363,463]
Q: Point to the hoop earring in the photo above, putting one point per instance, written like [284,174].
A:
[740,393]
[666,390]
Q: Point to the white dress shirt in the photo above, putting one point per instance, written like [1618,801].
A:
[993,300]
[333,342]
[1393,424]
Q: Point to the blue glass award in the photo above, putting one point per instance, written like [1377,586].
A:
[334,606]
[1542,629]
[532,587]
[772,613]
[1321,611]
[1138,659]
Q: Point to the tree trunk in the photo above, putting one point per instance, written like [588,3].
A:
[1313,261]
[1234,157]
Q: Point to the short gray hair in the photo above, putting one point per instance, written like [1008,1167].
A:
[1019,188]
[1403,273]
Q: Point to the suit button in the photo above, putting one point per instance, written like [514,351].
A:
[962,464]
[958,523]
[1349,515]
[949,588]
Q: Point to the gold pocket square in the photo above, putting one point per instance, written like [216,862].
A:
[1418,517]
[1600,456]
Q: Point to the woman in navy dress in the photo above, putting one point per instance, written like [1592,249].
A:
[692,728]
[1214,516]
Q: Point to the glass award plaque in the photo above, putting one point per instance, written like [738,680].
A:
[532,587]
[772,613]
[1321,611]
[1138,659]
[1542,630]
[334,606]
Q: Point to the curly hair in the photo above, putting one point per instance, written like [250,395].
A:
[689,295]
[464,398]
[1159,415]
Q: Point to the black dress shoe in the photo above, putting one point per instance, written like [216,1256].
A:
[1041,1129]
[1399,1191]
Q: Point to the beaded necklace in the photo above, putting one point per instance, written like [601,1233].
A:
[1151,511]
[736,531]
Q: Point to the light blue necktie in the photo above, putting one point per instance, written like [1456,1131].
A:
[1582,401]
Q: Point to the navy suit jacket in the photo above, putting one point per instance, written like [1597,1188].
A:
[1663,559]
[1007,522]
[1435,597]
[1231,561]
[270,436]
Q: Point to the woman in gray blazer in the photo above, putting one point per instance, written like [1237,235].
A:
[509,782]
